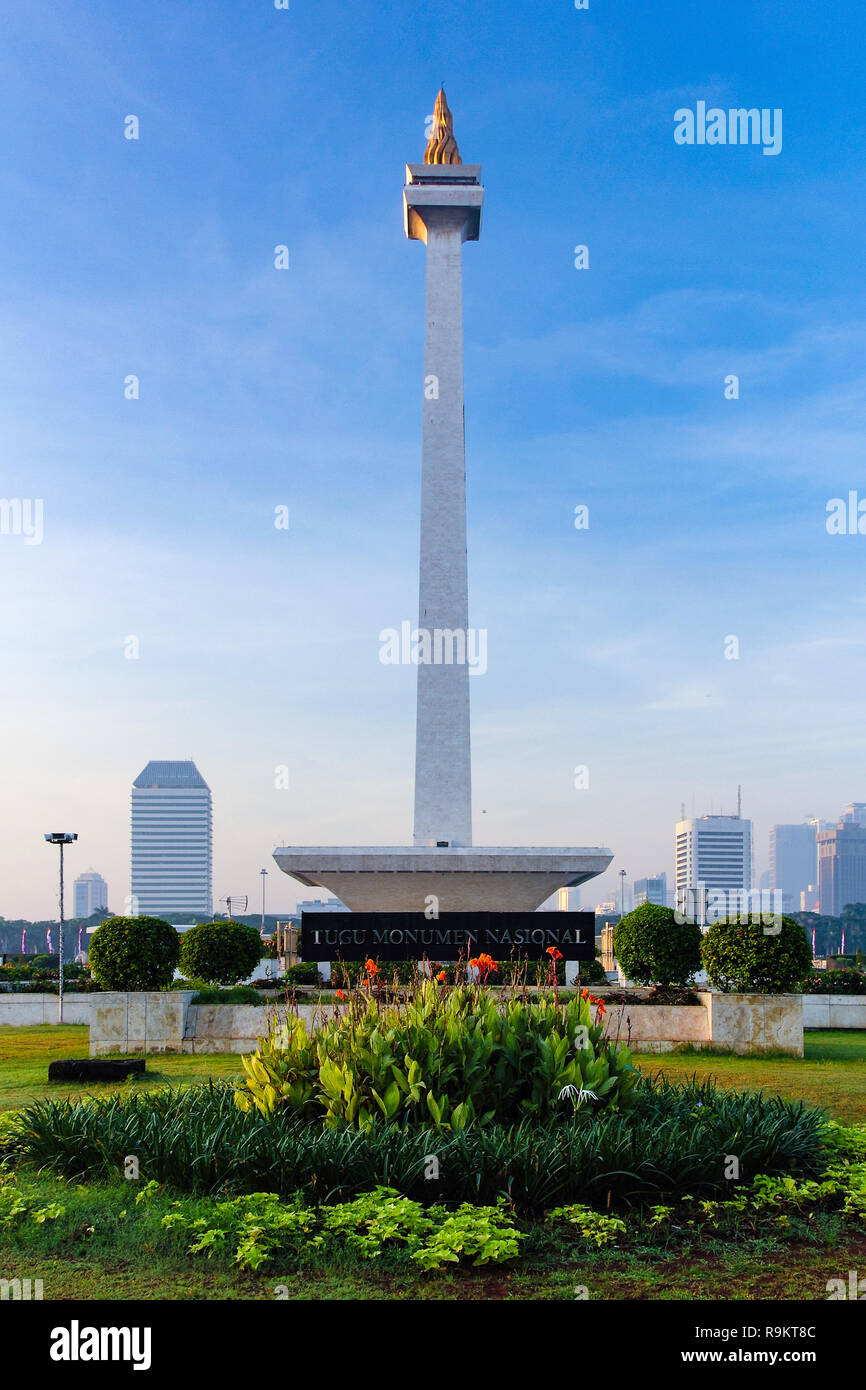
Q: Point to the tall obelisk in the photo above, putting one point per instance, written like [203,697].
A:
[442,202]
[442,207]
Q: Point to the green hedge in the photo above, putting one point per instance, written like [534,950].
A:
[748,954]
[133,953]
[835,982]
[220,953]
[652,947]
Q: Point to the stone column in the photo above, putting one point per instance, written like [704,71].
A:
[443,210]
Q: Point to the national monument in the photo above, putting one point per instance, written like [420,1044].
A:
[442,208]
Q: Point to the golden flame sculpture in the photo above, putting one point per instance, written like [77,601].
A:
[442,148]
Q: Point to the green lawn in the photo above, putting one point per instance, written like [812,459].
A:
[26,1051]
[832,1074]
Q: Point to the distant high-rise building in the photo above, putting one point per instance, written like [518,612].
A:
[713,854]
[651,890]
[172,830]
[841,867]
[854,813]
[563,900]
[793,862]
[89,892]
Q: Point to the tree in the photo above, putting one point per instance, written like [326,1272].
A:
[745,955]
[131,953]
[854,922]
[220,953]
[654,948]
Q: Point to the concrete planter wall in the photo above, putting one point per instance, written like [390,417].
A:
[172,1023]
[42,1008]
[834,1010]
[743,1023]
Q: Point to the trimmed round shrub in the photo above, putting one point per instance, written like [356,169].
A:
[220,952]
[652,947]
[128,953]
[749,955]
[306,972]
[592,972]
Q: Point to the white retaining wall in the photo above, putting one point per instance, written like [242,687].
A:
[170,1022]
[42,1008]
[834,1010]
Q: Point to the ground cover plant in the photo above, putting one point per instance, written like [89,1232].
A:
[765,1237]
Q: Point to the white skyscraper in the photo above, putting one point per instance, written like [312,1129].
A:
[713,854]
[171,840]
[90,891]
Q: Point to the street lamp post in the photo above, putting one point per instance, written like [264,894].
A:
[264,875]
[622,892]
[61,838]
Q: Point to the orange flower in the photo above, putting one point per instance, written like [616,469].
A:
[341,994]
[600,1010]
[371,967]
[584,994]
[554,953]
[441,976]
[486,962]
[474,962]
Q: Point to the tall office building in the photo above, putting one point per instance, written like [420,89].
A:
[89,892]
[713,854]
[841,867]
[651,890]
[171,840]
[793,862]
[854,813]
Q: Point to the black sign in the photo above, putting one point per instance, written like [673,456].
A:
[450,936]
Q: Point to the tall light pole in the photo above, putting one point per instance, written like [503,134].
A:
[622,892]
[264,875]
[61,838]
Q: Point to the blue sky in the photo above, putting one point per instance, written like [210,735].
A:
[302,388]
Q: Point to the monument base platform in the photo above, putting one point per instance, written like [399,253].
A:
[472,878]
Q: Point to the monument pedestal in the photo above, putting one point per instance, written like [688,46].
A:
[471,878]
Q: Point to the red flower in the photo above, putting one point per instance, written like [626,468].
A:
[341,994]
[553,953]
[441,976]
[371,967]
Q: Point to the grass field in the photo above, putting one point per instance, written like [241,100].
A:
[832,1073]
[26,1051]
[98,1252]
